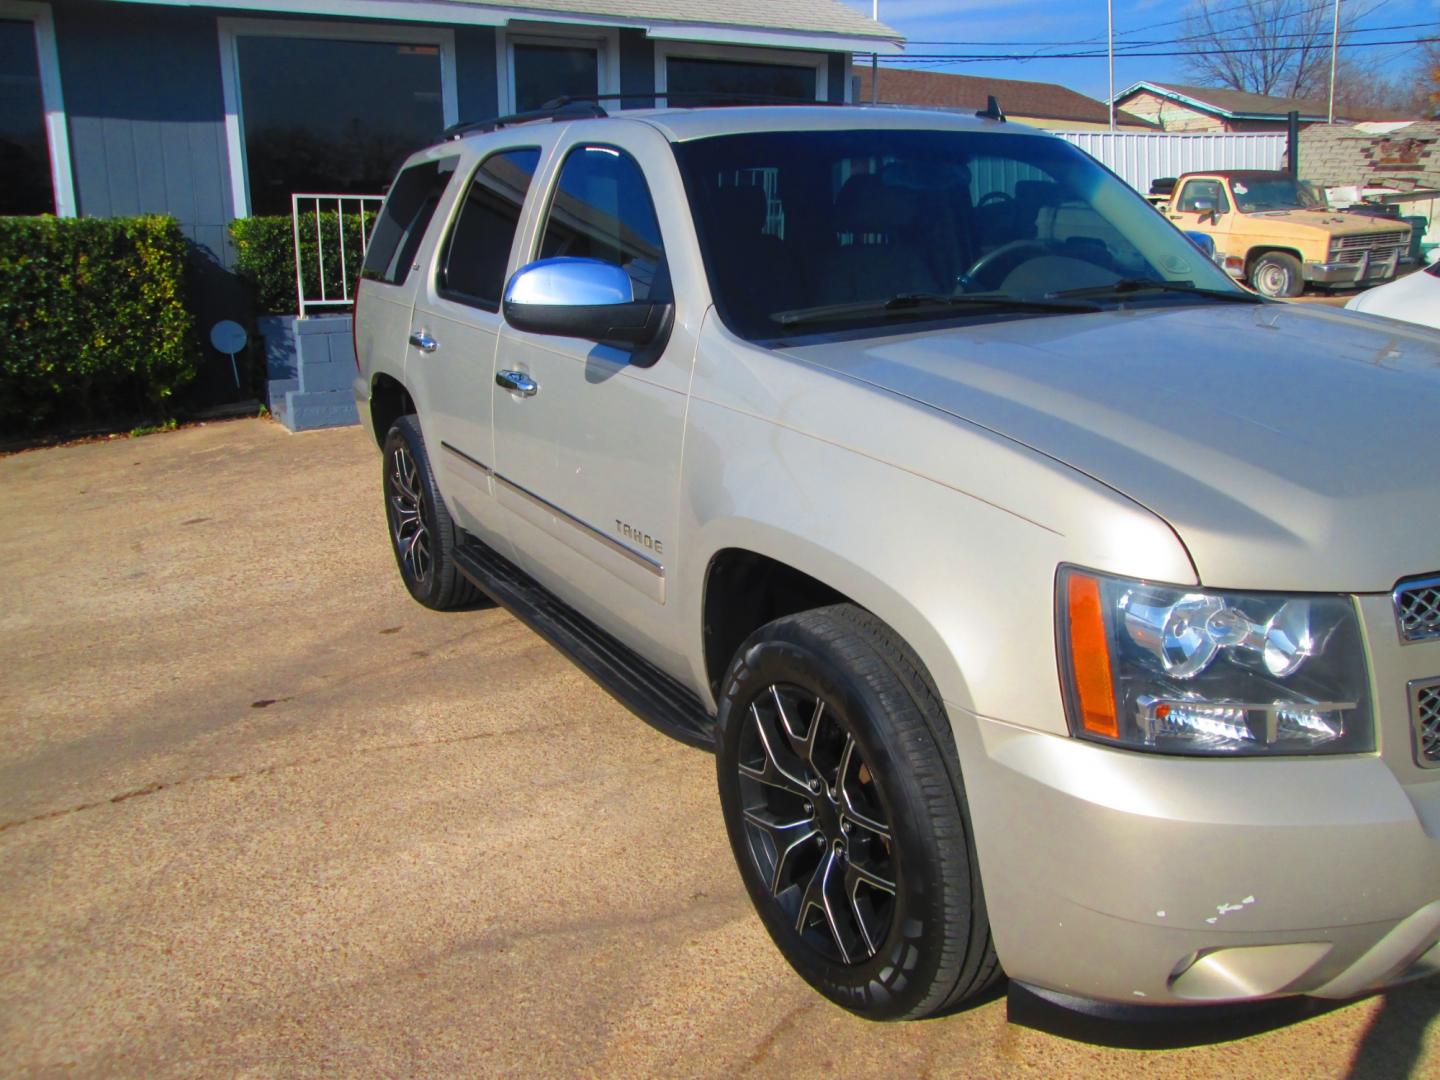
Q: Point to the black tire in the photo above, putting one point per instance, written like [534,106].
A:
[1277,275]
[865,792]
[422,534]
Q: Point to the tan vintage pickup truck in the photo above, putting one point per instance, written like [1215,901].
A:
[1270,231]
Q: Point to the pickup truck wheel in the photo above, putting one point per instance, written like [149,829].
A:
[841,791]
[421,531]
[1277,275]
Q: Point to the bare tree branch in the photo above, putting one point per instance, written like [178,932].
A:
[1291,39]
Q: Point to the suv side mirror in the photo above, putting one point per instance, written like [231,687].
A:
[585,298]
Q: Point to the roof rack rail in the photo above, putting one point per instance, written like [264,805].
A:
[588,107]
[561,108]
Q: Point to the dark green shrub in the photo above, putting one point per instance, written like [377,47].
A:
[93,319]
[265,257]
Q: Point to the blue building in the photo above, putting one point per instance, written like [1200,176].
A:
[209,112]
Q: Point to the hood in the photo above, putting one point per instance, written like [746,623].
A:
[1289,447]
[1329,221]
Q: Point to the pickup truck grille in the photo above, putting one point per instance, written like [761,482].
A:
[1353,249]
[1417,609]
[1425,710]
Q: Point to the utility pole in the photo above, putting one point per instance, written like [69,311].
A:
[1334,54]
[875,57]
[1110,38]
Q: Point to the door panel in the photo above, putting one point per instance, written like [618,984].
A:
[454,329]
[588,468]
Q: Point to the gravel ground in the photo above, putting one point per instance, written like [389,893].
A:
[261,814]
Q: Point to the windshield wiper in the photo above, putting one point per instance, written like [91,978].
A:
[902,305]
[1127,286]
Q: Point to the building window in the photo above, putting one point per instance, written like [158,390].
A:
[25,186]
[331,110]
[744,72]
[547,62]
[34,148]
[691,76]
[545,72]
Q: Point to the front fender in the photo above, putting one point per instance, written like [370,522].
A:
[968,583]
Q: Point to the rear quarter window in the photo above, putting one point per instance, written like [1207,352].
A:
[404,218]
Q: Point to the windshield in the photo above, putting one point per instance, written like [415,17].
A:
[1257,194]
[793,223]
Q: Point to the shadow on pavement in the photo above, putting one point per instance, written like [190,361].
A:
[1395,1040]
[1390,1049]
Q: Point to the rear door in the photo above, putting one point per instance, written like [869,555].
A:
[382,314]
[453,330]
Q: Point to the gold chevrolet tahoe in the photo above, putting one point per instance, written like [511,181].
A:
[1271,232]
[1051,604]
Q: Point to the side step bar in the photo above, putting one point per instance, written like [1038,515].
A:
[624,674]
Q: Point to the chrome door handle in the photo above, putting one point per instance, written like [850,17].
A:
[423,341]
[517,381]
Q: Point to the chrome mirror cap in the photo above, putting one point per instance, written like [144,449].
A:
[569,282]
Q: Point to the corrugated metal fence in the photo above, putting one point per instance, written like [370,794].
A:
[1140,158]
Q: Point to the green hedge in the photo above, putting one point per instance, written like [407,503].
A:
[265,257]
[93,320]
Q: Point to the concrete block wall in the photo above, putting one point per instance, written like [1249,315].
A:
[310,364]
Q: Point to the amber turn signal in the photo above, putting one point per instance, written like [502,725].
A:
[1090,656]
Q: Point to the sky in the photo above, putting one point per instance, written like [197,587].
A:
[1039,26]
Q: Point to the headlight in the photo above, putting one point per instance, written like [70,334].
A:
[1194,671]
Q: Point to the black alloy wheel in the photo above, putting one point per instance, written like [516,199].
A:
[843,801]
[422,534]
[816,827]
[405,501]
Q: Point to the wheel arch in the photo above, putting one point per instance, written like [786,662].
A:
[1257,252]
[749,582]
[389,400]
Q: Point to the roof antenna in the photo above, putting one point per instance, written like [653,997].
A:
[991,110]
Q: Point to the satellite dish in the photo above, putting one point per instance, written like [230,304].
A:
[229,337]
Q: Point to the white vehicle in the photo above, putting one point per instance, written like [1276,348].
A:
[1048,600]
[1413,298]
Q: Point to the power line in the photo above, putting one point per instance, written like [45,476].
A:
[1320,5]
[1191,37]
[975,57]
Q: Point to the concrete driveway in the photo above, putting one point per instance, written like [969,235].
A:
[261,814]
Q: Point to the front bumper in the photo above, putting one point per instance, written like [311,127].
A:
[1132,877]
[1351,273]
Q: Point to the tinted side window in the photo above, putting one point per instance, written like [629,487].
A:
[472,269]
[602,210]
[404,218]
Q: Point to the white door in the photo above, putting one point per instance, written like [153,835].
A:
[589,464]
[454,329]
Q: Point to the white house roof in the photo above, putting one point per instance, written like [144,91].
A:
[798,24]
[1240,105]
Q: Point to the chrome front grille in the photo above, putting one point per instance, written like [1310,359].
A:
[1352,249]
[1417,609]
[1425,712]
